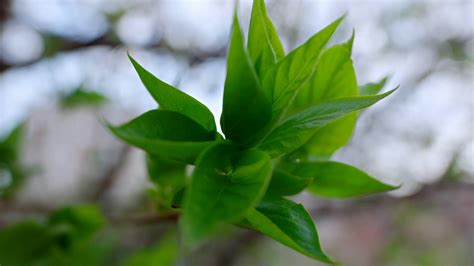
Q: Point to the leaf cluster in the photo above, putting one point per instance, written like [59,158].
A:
[283,117]
[70,236]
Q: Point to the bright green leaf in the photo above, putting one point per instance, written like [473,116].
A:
[373,88]
[288,223]
[264,45]
[284,79]
[226,184]
[297,129]
[334,78]
[171,98]
[246,108]
[338,180]
[166,133]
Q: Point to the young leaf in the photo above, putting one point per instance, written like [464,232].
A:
[296,130]
[166,133]
[246,108]
[288,223]
[284,79]
[373,88]
[171,98]
[338,180]
[226,184]
[334,77]
[288,181]
[264,45]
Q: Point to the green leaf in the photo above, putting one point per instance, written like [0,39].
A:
[171,98]
[163,253]
[288,223]
[297,129]
[166,133]
[338,180]
[334,78]
[226,184]
[23,243]
[81,97]
[288,180]
[264,45]
[76,223]
[246,108]
[284,79]
[373,88]
[168,176]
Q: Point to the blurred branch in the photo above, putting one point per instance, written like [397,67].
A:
[144,219]
[328,207]
[66,45]
[429,193]
[111,174]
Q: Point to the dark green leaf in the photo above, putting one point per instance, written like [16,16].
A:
[264,45]
[166,133]
[373,88]
[334,77]
[297,129]
[284,79]
[288,223]
[226,184]
[171,98]
[287,180]
[338,180]
[246,108]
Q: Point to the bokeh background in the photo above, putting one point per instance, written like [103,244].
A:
[63,67]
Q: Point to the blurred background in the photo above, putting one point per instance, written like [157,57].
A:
[63,67]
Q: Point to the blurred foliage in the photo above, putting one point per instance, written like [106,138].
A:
[81,97]
[163,253]
[12,172]
[70,236]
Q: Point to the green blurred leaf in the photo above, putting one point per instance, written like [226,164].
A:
[288,223]
[171,98]
[68,238]
[297,129]
[77,223]
[166,133]
[264,45]
[23,243]
[163,253]
[12,171]
[338,180]
[81,97]
[373,88]
[226,184]
[284,79]
[334,78]
[246,108]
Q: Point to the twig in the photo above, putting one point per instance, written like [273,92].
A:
[110,175]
